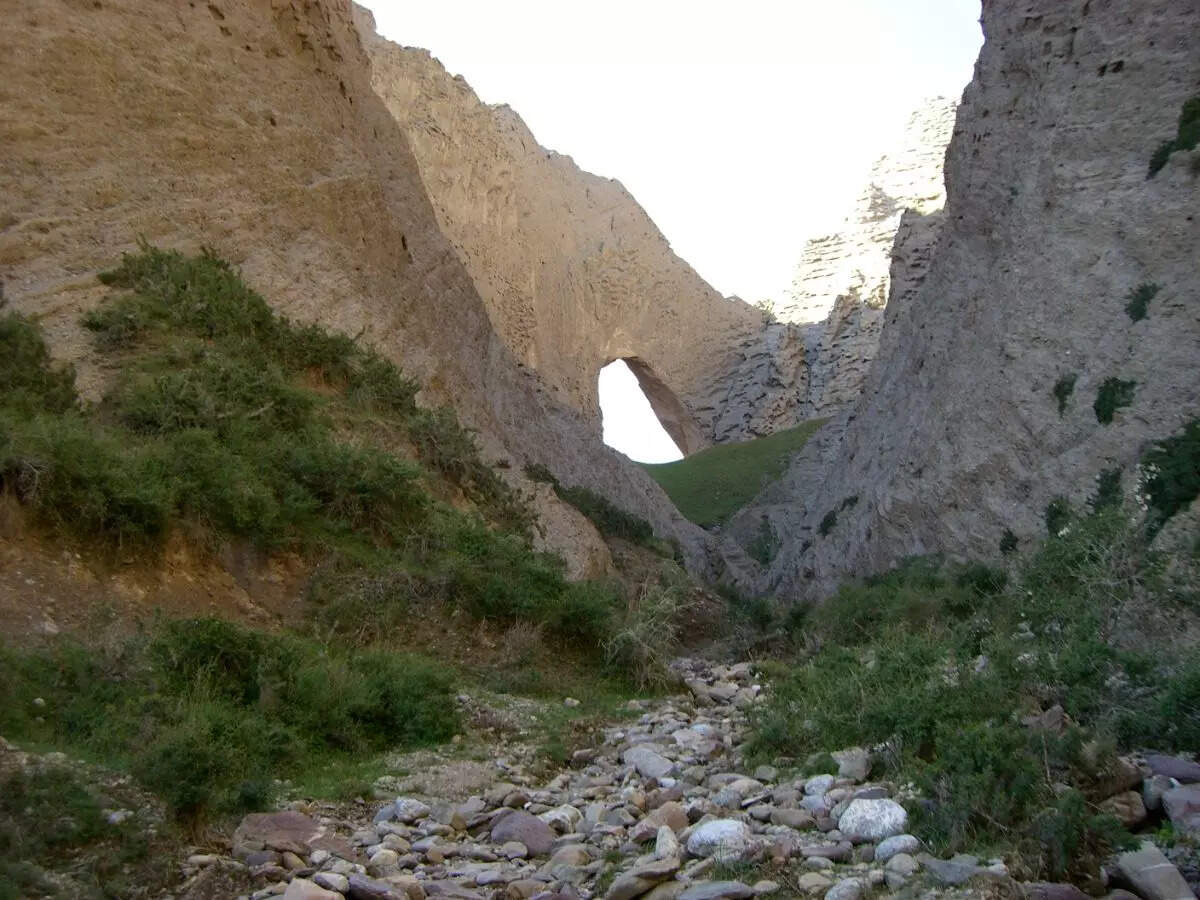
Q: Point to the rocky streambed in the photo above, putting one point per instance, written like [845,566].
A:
[662,806]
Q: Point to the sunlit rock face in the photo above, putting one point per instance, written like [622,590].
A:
[1050,223]
[572,271]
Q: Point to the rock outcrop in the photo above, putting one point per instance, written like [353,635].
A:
[253,128]
[1050,225]
[572,271]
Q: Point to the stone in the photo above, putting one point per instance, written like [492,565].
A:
[286,831]
[303,889]
[846,889]
[716,890]
[641,879]
[409,810]
[839,852]
[764,887]
[666,844]
[363,888]
[1152,790]
[813,883]
[726,840]
[872,820]
[958,870]
[332,881]
[514,850]
[800,819]
[853,763]
[570,855]
[1126,806]
[899,843]
[665,890]
[1153,875]
[562,819]
[525,828]
[902,864]
[1182,770]
[766,773]
[1182,806]
[523,888]
[648,761]
[818,863]
[818,785]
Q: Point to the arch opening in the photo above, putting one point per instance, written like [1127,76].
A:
[630,421]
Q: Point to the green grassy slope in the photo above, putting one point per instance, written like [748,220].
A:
[710,486]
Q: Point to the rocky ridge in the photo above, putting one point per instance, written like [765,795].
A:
[1050,224]
[572,271]
[661,806]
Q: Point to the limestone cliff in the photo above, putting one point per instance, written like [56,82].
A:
[252,127]
[572,271]
[1050,223]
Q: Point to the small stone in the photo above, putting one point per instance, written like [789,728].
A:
[766,773]
[1043,890]
[726,840]
[1182,770]
[648,761]
[818,863]
[958,870]
[666,844]
[716,890]
[800,819]
[332,881]
[570,702]
[514,850]
[813,883]
[818,785]
[641,879]
[528,829]
[764,887]
[899,843]
[303,889]
[853,763]
[292,862]
[872,820]
[1126,806]
[846,889]
[902,864]
[409,810]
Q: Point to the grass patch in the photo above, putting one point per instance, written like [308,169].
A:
[710,486]
[1064,387]
[205,712]
[1114,394]
[1172,475]
[1138,301]
[1187,136]
[936,665]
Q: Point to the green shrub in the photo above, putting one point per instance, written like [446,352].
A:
[765,544]
[1008,542]
[647,636]
[1064,387]
[29,381]
[1058,515]
[1114,394]
[1108,490]
[1172,475]
[1139,301]
[1187,136]
[609,519]
[828,522]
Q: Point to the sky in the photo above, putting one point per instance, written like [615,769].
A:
[743,129]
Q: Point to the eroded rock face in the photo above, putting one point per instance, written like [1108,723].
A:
[1050,224]
[572,271]
[253,128]
[813,361]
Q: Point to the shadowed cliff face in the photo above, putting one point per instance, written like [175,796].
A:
[252,127]
[1049,225]
[572,271]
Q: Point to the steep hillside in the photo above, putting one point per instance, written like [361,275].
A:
[253,128]
[1056,336]
[571,269]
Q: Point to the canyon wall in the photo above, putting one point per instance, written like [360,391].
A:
[1049,226]
[251,126]
[572,271]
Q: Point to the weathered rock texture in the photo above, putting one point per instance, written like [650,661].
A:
[1049,223]
[252,127]
[572,271]
[812,361]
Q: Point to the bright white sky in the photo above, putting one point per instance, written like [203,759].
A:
[743,128]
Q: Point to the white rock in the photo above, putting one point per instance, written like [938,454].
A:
[726,840]
[666,845]
[900,843]
[872,820]
[846,889]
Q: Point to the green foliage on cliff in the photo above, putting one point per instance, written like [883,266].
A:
[1113,394]
[710,486]
[1187,136]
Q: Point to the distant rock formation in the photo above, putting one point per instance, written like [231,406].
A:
[813,359]
[572,271]
[1050,225]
